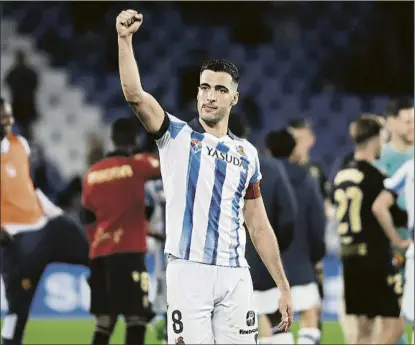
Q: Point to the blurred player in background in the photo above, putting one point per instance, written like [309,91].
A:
[400,148]
[155,242]
[348,157]
[307,247]
[156,238]
[211,182]
[305,138]
[114,214]
[401,183]
[34,232]
[349,322]
[281,206]
[372,287]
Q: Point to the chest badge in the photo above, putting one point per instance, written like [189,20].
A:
[240,150]
[196,145]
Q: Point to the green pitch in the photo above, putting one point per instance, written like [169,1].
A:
[80,332]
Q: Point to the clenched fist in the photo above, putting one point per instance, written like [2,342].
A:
[128,22]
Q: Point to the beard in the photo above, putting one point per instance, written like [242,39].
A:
[212,119]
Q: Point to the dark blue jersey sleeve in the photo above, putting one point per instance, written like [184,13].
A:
[283,219]
[317,221]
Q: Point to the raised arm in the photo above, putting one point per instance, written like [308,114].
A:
[145,106]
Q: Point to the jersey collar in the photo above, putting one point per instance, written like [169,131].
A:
[197,127]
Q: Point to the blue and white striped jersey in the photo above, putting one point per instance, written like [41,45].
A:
[205,180]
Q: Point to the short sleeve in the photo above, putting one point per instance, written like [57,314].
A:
[396,182]
[256,176]
[147,165]
[169,130]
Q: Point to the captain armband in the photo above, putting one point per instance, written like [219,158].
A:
[253,191]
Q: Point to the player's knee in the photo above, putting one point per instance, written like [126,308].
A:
[391,328]
[105,323]
[309,318]
[135,320]
[365,328]
[265,326]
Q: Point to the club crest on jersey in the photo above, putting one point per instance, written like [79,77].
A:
[196,145]
[240,150]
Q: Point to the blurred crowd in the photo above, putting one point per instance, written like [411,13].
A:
[369,66]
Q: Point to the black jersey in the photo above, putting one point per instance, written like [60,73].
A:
[317,172]
[363,241]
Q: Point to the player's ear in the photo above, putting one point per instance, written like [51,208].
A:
[235,99]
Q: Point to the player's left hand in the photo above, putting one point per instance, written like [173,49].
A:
[286,308]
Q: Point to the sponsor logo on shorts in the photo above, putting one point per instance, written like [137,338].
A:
[250,318]
[248,331]
[180,340]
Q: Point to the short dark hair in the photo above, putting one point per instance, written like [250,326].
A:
[364,129]
[300,123]
[281,143]
[124,131]
[394,107]
[221,66]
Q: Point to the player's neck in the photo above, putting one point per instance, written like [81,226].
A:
[398,144]
[365,155]
[305,160]
[218,130]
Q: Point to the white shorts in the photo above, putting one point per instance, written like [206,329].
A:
[210,304]
[304,297]
[408,292]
